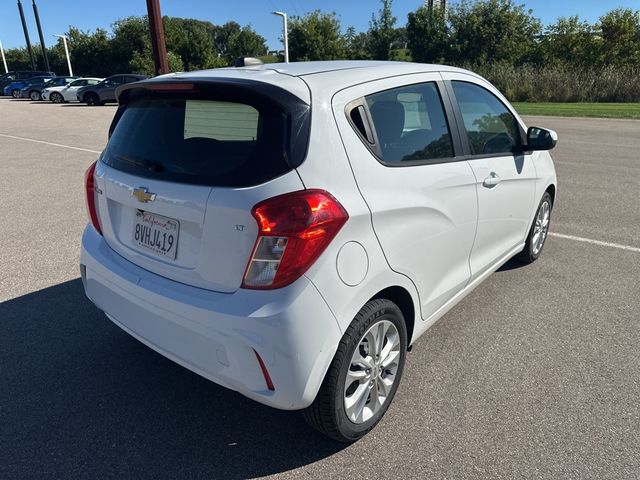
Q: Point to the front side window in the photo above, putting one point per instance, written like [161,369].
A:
[410,123]
[491,127]
[110,82]
[78,83]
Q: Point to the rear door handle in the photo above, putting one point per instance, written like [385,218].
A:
[492,180]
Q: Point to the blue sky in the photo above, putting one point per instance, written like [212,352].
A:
[57,15]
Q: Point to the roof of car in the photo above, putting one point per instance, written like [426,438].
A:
[337,67]
[329,75]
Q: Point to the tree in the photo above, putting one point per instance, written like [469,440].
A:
[357,44]
[90,52]
[621,35]
[142,63]
[570,40]
[316,36]
[428,36]
[232,41]
[192,40]
[131,38]
[492,31]
[382,32]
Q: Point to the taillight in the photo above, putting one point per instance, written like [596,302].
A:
[294,229]
[90,191]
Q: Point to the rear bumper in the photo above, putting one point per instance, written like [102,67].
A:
[215,334]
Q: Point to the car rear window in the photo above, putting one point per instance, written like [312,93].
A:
[202,141]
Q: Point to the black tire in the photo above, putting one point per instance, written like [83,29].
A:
[327,413]
[35,95]
[15,93]
[56,97]
[532,248]
[91,99]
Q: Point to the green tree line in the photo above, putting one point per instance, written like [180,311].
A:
[191,45]
[500,39]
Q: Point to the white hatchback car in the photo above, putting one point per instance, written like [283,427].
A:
[289,230]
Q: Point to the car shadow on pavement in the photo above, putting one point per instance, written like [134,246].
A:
[87,106]
[81,398]
[512,264]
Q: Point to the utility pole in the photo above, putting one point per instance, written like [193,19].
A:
[26,36]
[285,31]
[42,45]
[4,60]
[160,61]
[66,51]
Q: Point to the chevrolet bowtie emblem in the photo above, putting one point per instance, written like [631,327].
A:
[143,195]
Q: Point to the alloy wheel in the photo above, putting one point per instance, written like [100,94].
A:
[372,371]
[541,227]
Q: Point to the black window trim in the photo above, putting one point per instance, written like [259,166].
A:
[464,138]
[374,148]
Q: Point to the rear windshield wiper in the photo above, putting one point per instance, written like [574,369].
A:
[141,162]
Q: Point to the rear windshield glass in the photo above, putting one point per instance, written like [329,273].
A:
[195,140]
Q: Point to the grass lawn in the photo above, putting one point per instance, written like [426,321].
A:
[601,110]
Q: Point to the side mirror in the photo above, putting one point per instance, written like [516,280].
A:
[541,139]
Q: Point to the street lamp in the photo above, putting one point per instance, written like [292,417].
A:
[66,51]
[4,60]
[286,38]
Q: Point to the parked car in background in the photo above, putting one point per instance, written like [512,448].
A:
[10,77]
[105,91]
[289,231]
[14,89]
[67,93]
[33,90]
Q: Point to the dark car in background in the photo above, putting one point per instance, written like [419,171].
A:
[33,89]
[20,75]
[14,89]
[105,91]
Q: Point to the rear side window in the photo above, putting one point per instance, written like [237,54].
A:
[201,141]
[411,124]
[491,127]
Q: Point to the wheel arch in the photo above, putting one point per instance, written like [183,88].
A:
[403,299]
[551,189]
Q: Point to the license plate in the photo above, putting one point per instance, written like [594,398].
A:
[156,234]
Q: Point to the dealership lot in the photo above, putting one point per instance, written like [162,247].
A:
[536,374]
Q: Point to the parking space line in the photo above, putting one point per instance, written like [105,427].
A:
[595,242]
[49,143]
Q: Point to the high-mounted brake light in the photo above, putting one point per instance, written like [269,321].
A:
[90,191]
[294,230]
[170,87]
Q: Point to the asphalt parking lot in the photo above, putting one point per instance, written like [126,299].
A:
[536,374]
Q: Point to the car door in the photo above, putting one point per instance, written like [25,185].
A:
[69,92]
[108,92]
[505,175]
[407,160]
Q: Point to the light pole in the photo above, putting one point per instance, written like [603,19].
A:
[66,51]
[284,30]
[4,60]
